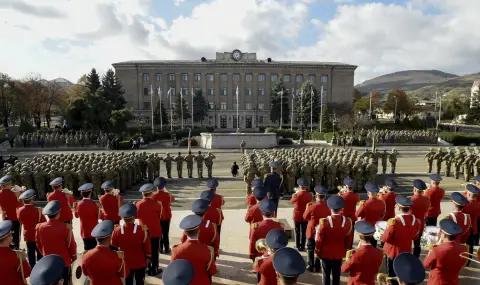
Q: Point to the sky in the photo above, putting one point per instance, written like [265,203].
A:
[66,38]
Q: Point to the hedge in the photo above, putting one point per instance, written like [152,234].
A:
[295,135]
[184,142]
[460,139]
[285,141]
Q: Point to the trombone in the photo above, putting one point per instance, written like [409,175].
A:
[471,257]
[383,279]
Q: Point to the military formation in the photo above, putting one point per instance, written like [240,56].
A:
[58,139]
[325,166]
[458,162]
[365,137]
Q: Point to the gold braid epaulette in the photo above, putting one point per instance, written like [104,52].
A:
[21,256]
[212,257]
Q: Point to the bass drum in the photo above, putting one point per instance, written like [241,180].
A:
[78,278]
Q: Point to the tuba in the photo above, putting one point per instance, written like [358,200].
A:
[383,279]
[261,245]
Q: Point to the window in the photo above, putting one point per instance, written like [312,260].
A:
[223,122]
[261,77]
[223,105]
[224,91]
[211,106]
[299,78]
[261,91]
[184,76]
[198,91]
[159,76]
[260,120]
[146,77]
[235,106]
[248,77]
[184,91]
[248,106]
[172,91]
[324,78]
[261,106]
[286,78]
[146,105]
[210,91]
[145,91]
[274,78]
[223,77]
[236,77]
[234,119]
[210,77]
[171,77]
[311,78]
[248,91]
[197,76]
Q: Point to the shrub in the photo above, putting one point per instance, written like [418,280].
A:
[460,139]
[26,127]
[319,136]
[184,142]
[285,141]
[125,145]
[285,133]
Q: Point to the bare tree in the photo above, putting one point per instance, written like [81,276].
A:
[7,97]
[53,95]
[36,89]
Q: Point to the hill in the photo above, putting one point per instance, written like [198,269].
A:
[461,85]
[63,82]
[406,80]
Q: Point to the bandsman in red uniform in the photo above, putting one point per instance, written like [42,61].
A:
[463,220]
[253,214]
[313,213]
[263,265]
[201,256]
[166,198]
[332,240]
[217,201]
[8,205]
[436,194]
[48,270]
[420,206]
[364,262]
[472,209]
[444,259]
[207,231]
[351,200]
[372,210]
[401,231]
[388,196]
[66,200]
[289,265]
[14,268]
[54,237]
[300,201]
[261,229]
[29,216]
[212,214]
[102,264]
[477,183]
[111,202]
[251,200]
[89,213]
[179,272]
[408,269]
[133,240]
[149,213]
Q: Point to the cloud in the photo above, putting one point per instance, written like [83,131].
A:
[34,10]
[178,2]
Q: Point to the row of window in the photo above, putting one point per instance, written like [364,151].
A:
[223,91]
[236,77]
[211,106]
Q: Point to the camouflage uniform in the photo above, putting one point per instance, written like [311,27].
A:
[179,159]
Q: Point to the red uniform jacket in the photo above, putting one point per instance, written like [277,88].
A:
[259,231]
[300,201]
[104,266]
[200,256]
[473,209]
[9,204]
[217,201]
[436,195]
[89,214]
[399,234]
[11,265]
[333,237]
[133,240]
[111,205]
[351,201]
[463,220]
[253,215]
[250,201]
[389,199]
[149,212]
[29,216]
[54,237]
[420,206]
[214,215]
[208,235]
[371,211]
[166,198]
[445,263]
[313,214]
[65,202]
[264,266]
[363,265]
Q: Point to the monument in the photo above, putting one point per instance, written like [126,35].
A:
[233,140]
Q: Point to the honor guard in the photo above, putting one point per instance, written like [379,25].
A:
[166,198]
[102,264]
[364,262]
[389,198]
[351,200]
[446,259]
[207,231]
[263,265]
[251,200]
[8,205]
[261,229]
[273,182]
[149,212]
[14,268]
[300,200]
[110,202]
[54,237]
[313,213]
[217,201]
[372,210]
[179,272]
[89,213]
[472,209]
[212,214]
[253,214]
[66,200]
[201,256]
[401,231]
[29,216]
[409,269]
[463,220]
[436,194]
[48,270]
[132,239]
[288,264]
[420,206]
[332,240]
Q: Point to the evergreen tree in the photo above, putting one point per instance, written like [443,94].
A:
[307,102]
[277,100]
[180,104]
[326,122]
[92,82]
[165,115]
[113,91]
[200,107]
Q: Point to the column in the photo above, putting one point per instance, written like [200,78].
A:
[241,99]
[230,96]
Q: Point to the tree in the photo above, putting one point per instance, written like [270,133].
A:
[8,91]
[305,102]
[376,99]
[54,92]
[181,104]
[356,95]
[113,91]
[399,98]
[119,118]
[200,107]
[326,122]
[279,102]
[362,105]
[35,89]
[77,113]
[455,107]
[92,82]
[156,115]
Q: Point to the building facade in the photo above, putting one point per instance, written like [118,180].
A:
[474,97]
[218,80]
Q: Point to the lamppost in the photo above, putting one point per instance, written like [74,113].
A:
[215,116]
[140,121]
[302,131]
[334,120]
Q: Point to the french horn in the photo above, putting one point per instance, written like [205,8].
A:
[261,245]
[383,279]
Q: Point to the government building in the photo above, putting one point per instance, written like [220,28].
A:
[218,78]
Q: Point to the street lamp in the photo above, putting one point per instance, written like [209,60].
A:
[302,131]
[334,120]
[215,116]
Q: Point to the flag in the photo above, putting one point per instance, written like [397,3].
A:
[169,93]
[160,92]
[189,140]
[236,93]
[151,91]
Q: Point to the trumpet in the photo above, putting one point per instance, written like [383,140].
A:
[261,245]
[383,279]
[116,192]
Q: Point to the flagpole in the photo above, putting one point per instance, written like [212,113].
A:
[181,104]
[281,108]
[301,108]
[161,119]
[171,111]
[151,105]
[321,108]
[311,110]
[193,94]
[291,119]
[238,125]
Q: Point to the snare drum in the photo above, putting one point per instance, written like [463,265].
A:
[380,227]
[430,236]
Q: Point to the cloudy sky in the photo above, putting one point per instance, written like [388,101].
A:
[66,38]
